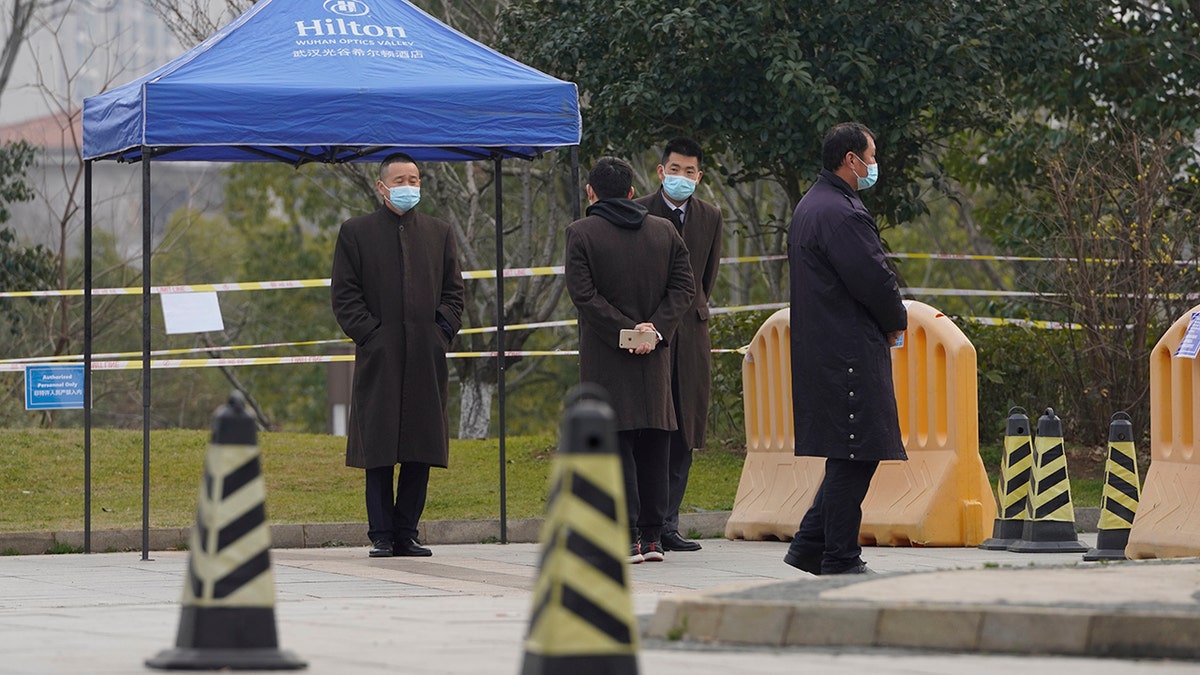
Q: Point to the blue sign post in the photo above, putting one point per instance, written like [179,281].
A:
[53,387]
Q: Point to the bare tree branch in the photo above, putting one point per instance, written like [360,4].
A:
[19,21]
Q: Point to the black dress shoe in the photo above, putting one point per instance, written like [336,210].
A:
[860,568]
[673,541]
[804,563]
[380,548]
[410,547]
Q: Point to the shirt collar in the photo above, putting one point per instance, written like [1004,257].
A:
[671,207]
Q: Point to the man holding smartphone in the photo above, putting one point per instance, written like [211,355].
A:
[627,270]
[700,224]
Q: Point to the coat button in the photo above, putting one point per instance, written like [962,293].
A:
[852,370]
[851,394]
[852,455]
[851,415]
[851,436]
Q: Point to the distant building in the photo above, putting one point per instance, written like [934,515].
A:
[79,50]
[83,50]
[57,179]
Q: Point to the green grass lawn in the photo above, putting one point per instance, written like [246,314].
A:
[307,480]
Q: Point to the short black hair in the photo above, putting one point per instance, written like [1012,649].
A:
[683,146]
[611,178]
[396,158]
[843,138]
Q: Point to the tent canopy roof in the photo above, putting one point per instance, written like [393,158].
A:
[334,81]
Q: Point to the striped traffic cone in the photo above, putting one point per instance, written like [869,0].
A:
[1118,503]
[1050,523]
[582,620]
[1012,489]
[228,619]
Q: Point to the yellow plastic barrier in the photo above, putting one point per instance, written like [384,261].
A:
[1167,524]
[940,497]
[776,487]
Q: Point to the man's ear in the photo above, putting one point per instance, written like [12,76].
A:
[591,194]
[630,195]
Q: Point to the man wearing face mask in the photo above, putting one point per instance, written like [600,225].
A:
[397,292]
[846,311]
[700,224]
[628,270]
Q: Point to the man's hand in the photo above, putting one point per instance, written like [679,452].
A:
[646,348]
[894,337]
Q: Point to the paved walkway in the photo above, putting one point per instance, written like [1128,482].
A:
[466,610]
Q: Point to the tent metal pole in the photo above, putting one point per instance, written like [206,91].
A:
[146,352]
[500,356]
[87,356]
[576,201]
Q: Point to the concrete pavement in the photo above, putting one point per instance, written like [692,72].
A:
[466,610]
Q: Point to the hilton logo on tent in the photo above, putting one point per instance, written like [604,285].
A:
[327,27]
[347,7]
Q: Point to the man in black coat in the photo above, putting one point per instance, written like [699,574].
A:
[846,311]
[397,291]
[700,224]
[626,270]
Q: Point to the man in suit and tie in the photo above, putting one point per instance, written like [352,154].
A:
[700,224]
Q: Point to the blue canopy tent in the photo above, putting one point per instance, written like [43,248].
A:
[331,81]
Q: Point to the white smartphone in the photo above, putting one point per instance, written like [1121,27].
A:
[630,339]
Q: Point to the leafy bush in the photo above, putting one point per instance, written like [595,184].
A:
[726,415]
[1014,370]
[1022,367]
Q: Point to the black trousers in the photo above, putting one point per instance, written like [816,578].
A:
[679,465]
[396,519]
[644,466]
[830,528]
[679,458]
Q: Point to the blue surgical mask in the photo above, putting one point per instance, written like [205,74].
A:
[678,188]
[404,197]
[870,178]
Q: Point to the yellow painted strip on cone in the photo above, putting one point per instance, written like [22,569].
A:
[1050,482]
[1013,485]
[557,630]
[208,562]
[1119,500]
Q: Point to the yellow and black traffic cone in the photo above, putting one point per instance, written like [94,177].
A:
[1118,503]
[228,619]
[582,619]
[1012,489]
[1050,518]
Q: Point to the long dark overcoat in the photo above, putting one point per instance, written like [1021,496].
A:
[844,300]
[619,277]
[692,348]
[393,276]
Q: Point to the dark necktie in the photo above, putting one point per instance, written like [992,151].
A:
[677,218]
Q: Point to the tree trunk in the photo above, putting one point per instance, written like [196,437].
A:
[475,420]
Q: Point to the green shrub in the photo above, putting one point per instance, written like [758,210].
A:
[1015,371]
[726,415]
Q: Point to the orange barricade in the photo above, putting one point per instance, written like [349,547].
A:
[1167,524]
[940,497]
[776,487]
